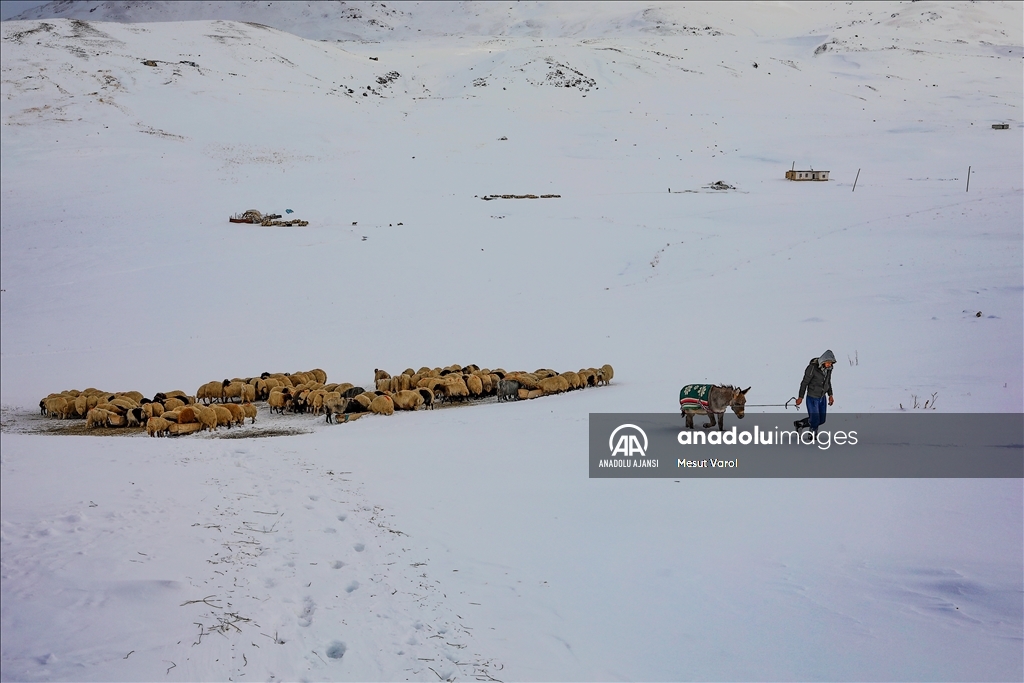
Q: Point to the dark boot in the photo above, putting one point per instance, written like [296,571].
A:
[802,424]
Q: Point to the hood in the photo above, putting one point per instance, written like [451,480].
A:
[828,356]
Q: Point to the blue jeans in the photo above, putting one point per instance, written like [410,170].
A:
[816,408]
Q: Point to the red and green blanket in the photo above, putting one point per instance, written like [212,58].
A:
[695,396]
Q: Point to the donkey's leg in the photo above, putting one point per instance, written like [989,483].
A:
[711,420]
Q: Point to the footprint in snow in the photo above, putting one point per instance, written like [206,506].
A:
[337,564]
[306,617]
[359,547]
[336,650]
[352,586]
[342,517]
[330,530]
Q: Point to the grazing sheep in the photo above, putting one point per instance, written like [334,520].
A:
[187,415]
[361,403]
[352,392]
[551,385]
[237,414]
[380,374]
[407,400]
[57,407]
[279,400]
[153,409]
[171,415]
[82,405]
[96,417]
[250,411]
[136,417]
[207,417]
[428,397]
[335,406]
[114,420]
[382,405]
[124,402]
[133,395]
[173,404]
[224,416]
[474,385]
[157,426]
[319,374]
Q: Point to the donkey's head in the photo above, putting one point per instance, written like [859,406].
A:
[739,402]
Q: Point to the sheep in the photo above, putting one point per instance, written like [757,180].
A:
[237,414]
[210,392]
[508,390]
[428,397]
[133,395]
[279,400]
[232,390]
[335,406]
[551,385]
[224,416]
[82,405]
[248,393]
[605,374]
[153,409]
[57,407]
[361,403]
[96,417]
[315,400]
[157,426]
[352,392]
[171,415]
[173,404]
[114,420]
[207,417]
[187,415]
[319,374]
[380,374]
[136,417]
[124,402]
[382,405]
[474,385]
[408,400]
[250,411]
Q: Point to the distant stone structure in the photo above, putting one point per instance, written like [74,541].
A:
[807,175]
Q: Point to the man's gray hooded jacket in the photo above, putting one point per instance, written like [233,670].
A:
[817,380]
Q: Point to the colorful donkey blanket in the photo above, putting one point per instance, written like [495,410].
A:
[695,397]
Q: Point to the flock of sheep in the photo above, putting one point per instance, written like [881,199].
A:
[229,402]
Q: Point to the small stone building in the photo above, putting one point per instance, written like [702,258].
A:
[806,175]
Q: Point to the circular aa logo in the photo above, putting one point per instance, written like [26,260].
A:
[627,444]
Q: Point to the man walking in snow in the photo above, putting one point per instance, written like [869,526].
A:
[816,384]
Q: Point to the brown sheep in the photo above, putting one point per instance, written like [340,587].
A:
[157,426]
[250,411]
[474,385]
[605,374]
[124,402]
[96,418]
[382,405]
[133,395]
[408,400]
[57,407]
[319,374]
[207,417]
[279,400]
[552,385]
[232,390]
[153,409]
[237,414]
[173,404]
[187,415]
[209,392]
[224,416]
[361,403]
[380,374]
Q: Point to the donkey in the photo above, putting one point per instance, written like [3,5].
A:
[711,400]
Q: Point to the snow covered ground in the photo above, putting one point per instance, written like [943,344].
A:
[469,543]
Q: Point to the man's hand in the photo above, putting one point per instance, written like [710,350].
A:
[831,400]
[798,402]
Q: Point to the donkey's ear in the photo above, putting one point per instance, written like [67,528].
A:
[745,390]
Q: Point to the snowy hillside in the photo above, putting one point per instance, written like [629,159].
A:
[126,147]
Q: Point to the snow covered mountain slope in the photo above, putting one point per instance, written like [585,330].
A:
[126,146]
